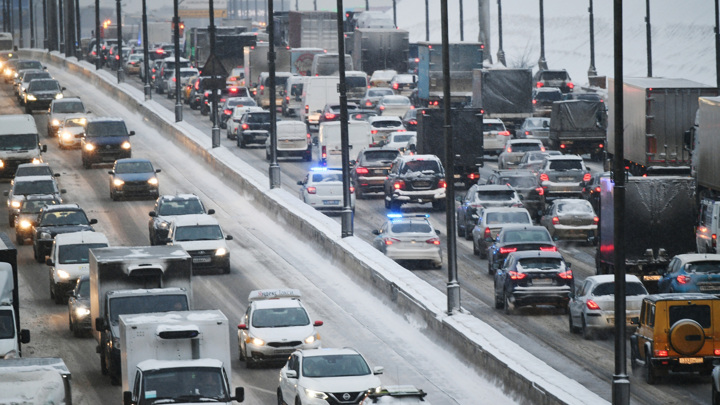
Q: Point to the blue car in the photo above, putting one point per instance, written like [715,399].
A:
[133,178]
[693,272]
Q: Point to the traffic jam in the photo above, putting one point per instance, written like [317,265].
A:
[533,206]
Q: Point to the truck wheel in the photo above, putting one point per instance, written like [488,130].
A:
[103,366]
[19,240]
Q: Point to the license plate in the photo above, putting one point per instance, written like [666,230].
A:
[651,278]
[690,360]
[331,202]
[565,178]
[202,259]
[456,176]
[542,281]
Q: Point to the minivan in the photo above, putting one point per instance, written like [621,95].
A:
[329,149]
[292,96]
[293,140]
[19,143]
[318,92]
[707,230]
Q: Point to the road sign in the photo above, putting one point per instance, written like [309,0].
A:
[214,67]
[204,13]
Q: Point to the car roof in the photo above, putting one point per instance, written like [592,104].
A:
[407,158]
[514,172]
[29,179]
[33,165]
[523,140]
[524,254]
[384,118]
[503,209]
[277,303]
[610,278]
[328,352]
[62,207]
[574,200]
[681,297]
[547,90]
[698,257]
[105,119]
[523,227]
[494,187]
[195,219]
[67,99]
[492,121]
[563,157]
[74,238]
[170,197]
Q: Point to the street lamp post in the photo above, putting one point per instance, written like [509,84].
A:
[32,24]
[211,30]
[592,71]
[146,54]
[98,48]
[542,63]
[78,31]
[274,170]
[501,53]
[176,37]
[717,46]
[119,55]
[648,35]
[346,215]
[462,29]
[427,21]
[45,24]
[20,23]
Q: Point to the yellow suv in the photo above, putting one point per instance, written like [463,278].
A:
[676,332]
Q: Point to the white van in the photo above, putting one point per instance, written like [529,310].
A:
[70,259]
[328,64]
[707,229]
[317,92]
[292,96]
[356,84]
[19,143]
[293,140]
[329,146]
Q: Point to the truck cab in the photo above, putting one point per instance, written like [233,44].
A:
[10,339]
[706,231]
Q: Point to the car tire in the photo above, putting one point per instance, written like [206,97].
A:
[59,299]
[11,221]
[499,302]
[38,258]
[387,203]
[650,376]
[226,269]
[52,290]
[103,365]
[280,400]
[395,206]
[77,332]
[267,155]
[509,307]
[86,164]
[476,250]
[483,253]
[468,231]
[359,194]
[462,233]
[19,240]
[241,142]
[28,110]
[308,157]
[587,333]
[571,325]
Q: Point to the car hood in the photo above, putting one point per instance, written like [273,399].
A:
[209,245]
[134,176]
[342,384]
[58,229]
[284,334]
[107,140]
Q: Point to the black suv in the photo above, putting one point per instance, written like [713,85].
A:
[105,141]
[415,179]
[554,78]
[254,127]
[40,93]
[518,238]
[167,207]
[483,196]
[371,168]
[55,219]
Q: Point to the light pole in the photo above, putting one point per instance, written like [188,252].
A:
[501,53]
[146,54]
[427,21]
[20,23]
[648,34]
[211,30]
[592,71]
[119,55]
[45,24]
[176,37]
[32,24]
[717,46]
[274,170]
[542,63]
[78,32]
[346,215]
[98,48]
[462,29]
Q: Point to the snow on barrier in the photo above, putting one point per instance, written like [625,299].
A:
[518,372]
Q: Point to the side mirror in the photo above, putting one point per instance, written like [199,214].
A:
[99,324]
[158,170]
[299,183]
[63,88]
[152,214]
[318,323]
[127,398]
[568,265]
[63,191]
[49,262]
[291,374]
[239,394]
[56,174]
[211,211]
[88,112]
[131,133]
[111,171]
[5,193]
[24,336]
[458,198]
[437,232]
[242,326]
[43,148]
[375,232]
[93,221]
[378,370]
[228,237]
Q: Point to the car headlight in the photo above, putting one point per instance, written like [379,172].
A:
[66,136]
[55,123]
[153,181]
[221,252]
[82,312]
[15,204]
[58,96]
[30,97]
[89,147]
[63,274]
[118,182]
[125,145]
[45,235]
[25,224]
[255,341]
[312,338]
[2,164]
[15,74]
[315,394]
[36,161]
[164,225]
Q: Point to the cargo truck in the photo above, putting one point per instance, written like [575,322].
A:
[132,280]
[659,221]
[177,356]
[657,113]
[578,127]
[504,94]
[229,45]
[255,62]
[35,381]
[301,60]
[380,49]
[464,58]
[11,340]
[467,136]
[312,29]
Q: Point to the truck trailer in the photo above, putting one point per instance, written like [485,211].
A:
[11,336]
[183,356]
[504,94]
[35,381]
[657,113]
[380,49]
[255,62]
[312,29]
[465,57]
[578,127]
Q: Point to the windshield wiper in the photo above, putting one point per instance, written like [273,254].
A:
[192,398]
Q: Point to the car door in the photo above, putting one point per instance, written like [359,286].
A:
[462,210]
[288,386]
[577,300]
[665,282]
[644,332]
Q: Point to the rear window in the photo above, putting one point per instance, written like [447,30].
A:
[703,267]
[379,92]
[519,182]
[44,85]
[526,235]
[327,177]
[525,147]
[540,263]
[67,107]
[549,75]
[402,137]
[566,165]
[355,81]
[548,96]
[609,289]
[384,155]
[421,166]
[415,227]
[495,195]
[580,207]
[259,118]
[698,313]
[495,218]
[386,124]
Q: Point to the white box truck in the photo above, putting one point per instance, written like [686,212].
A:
[19,143]
[35,381]
[178,356]
[317,92]
[329,146]
[134,280]
[10,339]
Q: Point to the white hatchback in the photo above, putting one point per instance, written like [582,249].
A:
[495,136]
[322,189]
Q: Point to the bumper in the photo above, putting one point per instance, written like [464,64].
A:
[136,191]
[581,233]
[418,196]
[376,184]
[673,364]
[606,321]
[561,190]
[522,296]
[255,136]
[81,322]
[272,354]
[106,157]
[210,262]
[433,255]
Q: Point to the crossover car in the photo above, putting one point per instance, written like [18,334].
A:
[571,219]
[167,207]
[554,78]
[373,95]
[409,238]
[253,128]
[60,108]
[534,128]
[691,272]
[71,131]
[491,221]
[105,141]
[525,183]
[534,160]
[229,106]
[415,179]
[495,136]
[518,238]
[56,219]
[382,127]
[370,169]
[480,196]
[563,176]
[40,93]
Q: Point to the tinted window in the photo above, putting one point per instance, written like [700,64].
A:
[536,122]
[180,207]
[518,181]
[431,166]
[632,288]
[44,85]
[698,313]
[495,195]
[34,206]
[134,167]
[198,232]
[7,327]
[33,170]
[580,207]
[28,64]
[543,263]
[381,155]
[548,96]
[35,187]
[525,147]
[493,127]
[703,267]
[494,218]
[401,137]
[60,218]
[549,75]
[386,124]
[415,227]
[260,118]
[566,165]
[39,75]
[527,236]
[19,142]
[106,128]
[355,81]
[145,304]
[84,290]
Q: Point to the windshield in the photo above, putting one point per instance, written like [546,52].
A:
[36,75]
[296,89]
[334,366]
[383,155]
[180,207]
[540,263]
[7,326]
[107,128]
[496,127]
[73,254]
[33,170]
[19,142]
[279,317]
[402,138]
[525,147]
[34,187]
[355,81]
[60,218]
[550,75]
[537,123]
[431,166]
[562,165]
[519,182]
[379,92]
[411,227]
[494,218]
[34,206]
[703,267]
[186,385]
[75,122]
[134,167]
[68,107]
[198,232]
[43,85]
[145,304]
[631,288]
[495,195]
[579,207]
[527,236]
[28,64]
[395,101]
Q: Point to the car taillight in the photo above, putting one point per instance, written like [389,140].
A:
[434,102]
[661,353]
[323,152]
[307,108]
[534,101]
[539,84]
[570,85]
[506,250]
[362,170]
[329,116]
[714,240]
[566,275]
[596,219]
[412,122]
[368,104]
[562,146]
[504,133]
[592,305]
[227,112]
[587,177]
[174,80]
[352,189]
[540,190]
[442,183]
[527,133]
[395,86]
[311,190]
[597,189]
[232,79]
[233,90]
[548,248]
[509,149]
[382,108]
[94,53]
[390,241]
[555,220]
[601,146]
[245,126]
[433,241]
[683,279]
[473,176]
[399,185]
[374,131]
[544,177]
[287,99]
[514,275]
[487,233]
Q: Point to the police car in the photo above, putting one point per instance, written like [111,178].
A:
[409,238]
[274,326]
[322,189]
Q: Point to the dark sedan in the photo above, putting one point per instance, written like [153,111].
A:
[370,170]
[133,178]
[55,219]
[167,207]
[518,238]
[40,93]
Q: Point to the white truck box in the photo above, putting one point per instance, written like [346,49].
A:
[35,381]
[329,146]
[317,92]
[10,340]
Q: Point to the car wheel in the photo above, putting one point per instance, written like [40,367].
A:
[499,301]
[298,402]
[395,206]
[38,258]
[650,376]
[241,353]
[509,307]
[77,332]
[115,380]
[634,357]
[308,157]
[476,250]
[468,231]
[249,362]
[483,253]
[28,110]
[52,290]
[267,155]
[19,240]
[461,232]
[70,323]
[359,194]
[86,164]
[59,299]
[226,269]
[204,111]
[241,142]
[11,220]
[103,364]
[586,332]
[573,329]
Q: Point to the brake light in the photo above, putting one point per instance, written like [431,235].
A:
[592,305]
[514,275]
[245,126]
[587,177]
[412,122]
[307,108]
[570,85]
[174,80]
[548,248]
[544,177]
[324,152]
[597,189]
[434,102]
[562,146]
[714,241]
[311,190]
[540,190]
[442,183]
[395,86]
[716,352]
[390,241]
[473,176]
[287,99]
[94,53]
[233,90]
[506,250]
[117,57]
[329,116]
[362,170]
[601,146]
[160,51]
[542,149]
[232,79]
[382,107]
[399,185]
[534,102]
[487,233]
[566,275]
[539,84]
[504,133]
[509,149]
[555,220]
[374,131]
[368,103]
[433,241]
[227,112]
[683,279]
[661,353]
[596,219]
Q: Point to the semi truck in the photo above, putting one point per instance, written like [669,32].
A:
[657,112]
[11,336]
[312,29]
[256,62]
[467,136]
[464,58]
[132,280]
[178,356]
[230,43]
[578,127]
[301,60]
[380,49]
[659,220]
[35,381]
[504,94]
